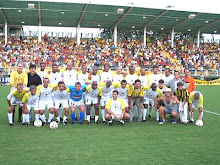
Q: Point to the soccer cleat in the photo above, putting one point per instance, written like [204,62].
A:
[150,117]
[27,124]
[103,122]
[23,123]
[80,122]
[73,122]
[88,122]
[110,123]
[44,123]
[57,122]
[10,124]
[144,121]
[48,123]
[185,123]
[64,123]
[162,122]
[121,122]
[174,121]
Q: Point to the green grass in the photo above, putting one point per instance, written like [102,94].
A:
[133,143]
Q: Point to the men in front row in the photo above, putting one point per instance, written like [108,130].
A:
[115,109]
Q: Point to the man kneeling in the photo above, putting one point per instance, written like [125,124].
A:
[115,108]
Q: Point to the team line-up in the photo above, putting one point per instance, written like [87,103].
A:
[117,94]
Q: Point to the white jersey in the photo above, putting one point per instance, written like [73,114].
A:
[105,76]
[131,78]
[150,94]
[82,78]
[95,78]
[118,78]
[55,77]
[122,93]
[60,95]
[45,93]
[167,79]
[144,80]
[42,74]
[70,77]
[106,92]
[33,100]
[154,78]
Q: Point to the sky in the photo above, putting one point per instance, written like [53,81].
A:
[210,6]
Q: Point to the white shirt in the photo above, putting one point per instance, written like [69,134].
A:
[95,78]
[42,74]
[167,79]
[131,78]
[60,95]
[117,78]
[45,93]
[70,77]
[122,93]
[55,77]
[82,78]
[105,76]
[144,80]
[154,78]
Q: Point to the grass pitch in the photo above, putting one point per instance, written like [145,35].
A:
[133,143]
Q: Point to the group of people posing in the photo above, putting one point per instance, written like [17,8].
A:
[118,94]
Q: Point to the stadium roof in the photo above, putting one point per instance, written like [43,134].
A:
[106,16]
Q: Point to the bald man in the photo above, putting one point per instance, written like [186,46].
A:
[70,74]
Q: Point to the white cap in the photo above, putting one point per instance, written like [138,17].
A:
[168,90]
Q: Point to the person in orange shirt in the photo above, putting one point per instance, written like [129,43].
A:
[189,81]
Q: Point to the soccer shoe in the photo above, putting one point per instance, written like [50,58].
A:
[103,122]
[64,122]
[110,123]
[144,121]
[57,122]
[10,124]
[27,124]
[23,123]
[121,122]
[73,122]
[88,123]
[80,122]
[174,121]
[44,123]
[185,123]
[162,122]
[48,123]
[150,117]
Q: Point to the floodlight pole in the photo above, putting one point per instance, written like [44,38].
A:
[78,34]
[172,38]
[145,36]
[39,32]
[6,32]
[115,35]
[198,38]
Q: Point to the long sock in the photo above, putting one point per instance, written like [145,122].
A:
[144,114]
[43,118]
[150,110]
[73,116]
[96,118]
[23,116]
[201,116]
[157,115]
[10,117]
[81,115]
[27,118]
[88,118]
[103,114]
[50,117]
[58,119]
[20,113]
[64,118]
[60,111]
[37,116]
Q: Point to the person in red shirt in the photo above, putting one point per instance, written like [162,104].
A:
[189,81]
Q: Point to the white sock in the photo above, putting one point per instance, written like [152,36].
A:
[27,118]
[58,119]
[96,118]
[23,116]
[60,111]
[144,114]
[43,118]
[50,117]
[88,118]
[65,118]
[150,110]
[157,115]
[201,116]
[10,118]
[37,116]
[103,114]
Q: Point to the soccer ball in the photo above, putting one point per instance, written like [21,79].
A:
[53,125]
[37,123]
[199,123]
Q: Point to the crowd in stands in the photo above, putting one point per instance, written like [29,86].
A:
[97,52]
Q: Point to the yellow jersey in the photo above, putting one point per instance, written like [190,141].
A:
[193,101]
[17,78]
[135,93]
[16,94]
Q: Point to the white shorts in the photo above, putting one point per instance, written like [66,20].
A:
[118,117]
[126,102]
[148,101]
[91,100]
[35,107]
[196,105]
[15,101]
[63,103]
[76,103]
[46,104]
[103,102]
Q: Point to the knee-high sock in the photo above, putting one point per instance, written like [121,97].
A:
[150,110]
[37,116]
[73,116]
[27,118]
[50,117]
[10,117]
[157,115]
[64,118]
[81,115]
[43,118]
[201,116]
[23,117]
[144,113]
[96,118]
[103,114]
[88,118]
[60,111]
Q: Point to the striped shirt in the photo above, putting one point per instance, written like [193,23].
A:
[182,95]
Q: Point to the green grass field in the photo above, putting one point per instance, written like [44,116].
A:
[133,143]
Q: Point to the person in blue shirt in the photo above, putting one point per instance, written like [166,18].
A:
[76,94]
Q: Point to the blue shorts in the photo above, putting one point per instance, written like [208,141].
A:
[168,111]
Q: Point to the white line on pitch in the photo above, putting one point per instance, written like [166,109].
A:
[212,112]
